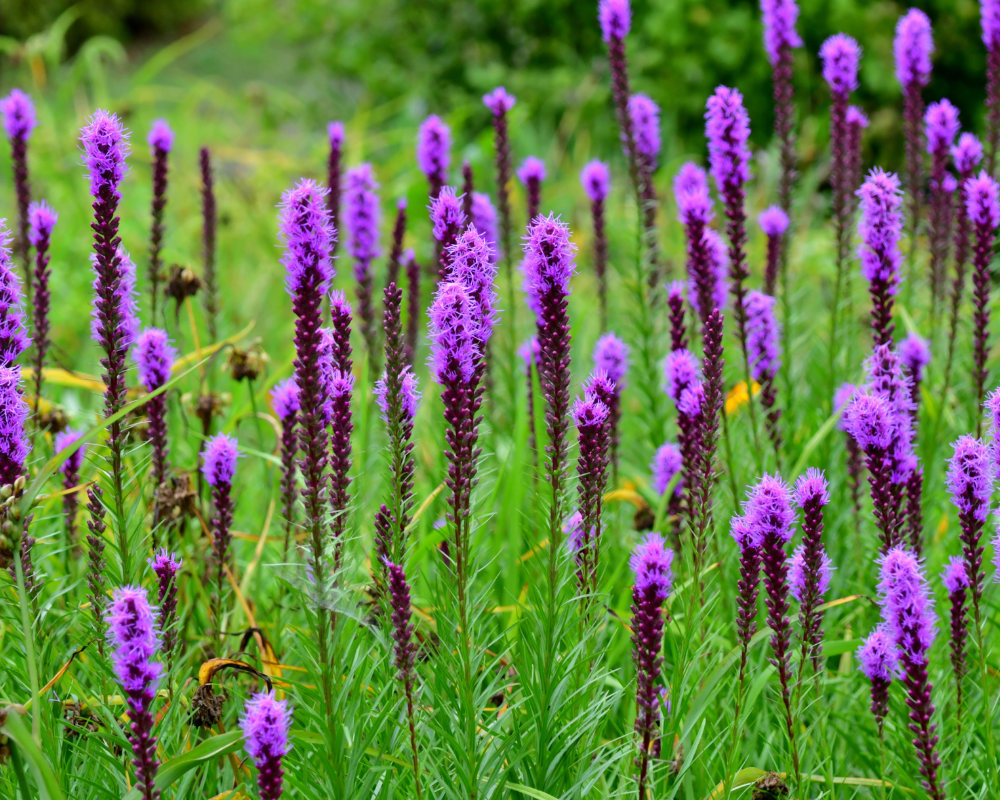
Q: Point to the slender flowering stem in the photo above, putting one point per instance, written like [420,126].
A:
[879,661]
[678,327]
[773,222]
[219,468]
[666,464]
[956,582]
[396,252]
[209,224]
[13,336]
[706,262]
[337,387]
[880,227]
[531,173]
[990,21]
[95,561]
[19,120]
[362,221]
[413,307]
[434,153]
[809,573]
[335,135]
[645,119]
[611,355]
[983,206]
[155,359]
[683,386]
[763,344]
[596,180]
[468,192]
[449,221]
[70,470]
[265,724]
[590,415]
[405,653]
[167,566]
[285,401]
[500,102]
[855,455]
[161,140]
[941,126]
[42,219]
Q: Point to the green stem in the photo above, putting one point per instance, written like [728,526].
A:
[29,645]
[983,675]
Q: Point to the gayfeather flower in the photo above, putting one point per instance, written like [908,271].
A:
[41,221]
[265,724]
[745,534]
[880,227]
[161,141]
[809,569]
[413,308]
[154,357]
[989,11]
[105,147]
[448,220]
[616,20]
[167,566]
[855,456]
[596,181]
[285,402]
[915,353]
[665,465]
[611,355]
[396,253]
[651,561]
[405,652]
[773,222]
[500,102]
[13,337]
[645,116]
[434,152]
[971,472]
[19,120]
[209,223]
[337,386]
[306,233]
[706,263]
[484,217]
[219,468]
[982,203]
[678,328]
[941,128]
[528,352]
[764,348]
[879,661]
[70,470]
[887,378]
[857,122]
[841,56]
[468,190]
[132,636]
[96,563]
[956,582]
[591,417]
[531,173]
[912,47]
[335,134]
[908,610]
[362,221]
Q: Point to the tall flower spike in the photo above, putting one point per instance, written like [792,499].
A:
[531,173]
[500,102]
[161,141]
[13,337]
[484,217]
[880,227]
[434,152]
[879,661]
[219,468]
[678,327]
[19,120]
[596,181]
[133,639]
[982,203]
[414,310]
[154,357]
[912,47]
[468,190]
[652,563]
[908,610]
[362,220]
[611,355]
[941,127]
[809,575]
[971,472]
[773,222]
[70,470]
[105,147]
[338,389]
[645,116]
[842,398]
[764,347]
[405,653]
[265,724]
[989,11]
[166,566]
[915,353]
[681,373]
[745,534]
[285,402]
[14,446]
[41,221]
[96,563]
[616,20]
[396,253]
[591,415]
[528,352]
[705,267]
[209,224]
[335,135]
[956,583]
[448,220]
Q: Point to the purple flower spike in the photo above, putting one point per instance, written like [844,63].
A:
[810,567]
[265,725]
[449,221]
[166,566]
[220,456]
[155,359]
[774,222]
[912,48]
[680,371]
[798,573]
[286,405]
[666,463]
[941,127]
[405,651]
[676,294]
[691,192]
[841,55]
[19,120]
[105,148]
[971,472]
[304,226]
[434,152]
[409,394]
[41,222]
[956,582]
[880,227]
[645,116]
[14,446]
[611,355]
[879,661]
[499,101]
[453,330]
[473,266]
[160,137]
[915,353]
[18,115]
[983,208]
[596,180]
[908,611]
[285,399]
[706,255]
[484,218]
[616,19]
[966,153]
[780,17]
[764,353]
[591,416]
[362,220]
[990,18]
[531,173]
[132,636]
[335,135]
[13,337]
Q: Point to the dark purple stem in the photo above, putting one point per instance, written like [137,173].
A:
[647,634]
[41,314]
[96,562]
[289,489]
[992,106]
[913,115]
[678,329]
[396,253]
[22,191]
[156,231]
[703,476]
[914,510]
[209,219]
[600,258]
[405,652]
[221,536]
[340,436]
[333,175]
[962,230]
[810,617]
[413,309]
[982,254]
[959,634]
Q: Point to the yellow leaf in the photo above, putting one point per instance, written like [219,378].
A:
[737,397]
[628,496]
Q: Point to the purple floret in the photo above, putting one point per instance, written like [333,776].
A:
[499,101]
[768,510]
[42,218]
[694,203]
[285,398]
[954,576]
[105,148]
[221,452]
[335,133]
[13,336]
[812,487]
[841,54]
[773,221]
[970,477]
[154,357]
[880,226]
[596,180]
[18,115]
[125,301]
[446,212]
[304,225]
[912,47]
[132,634]
[779,17]
[907,605]
[982,201]
[361,213]
[967,153]
[409,391]
[453,328]
[484,218]
[160,136]
[915,353]
[616,19]
[611,355]
[645,117]
[549,260]
[64,439]
[666,463]
[727,128]
[798,569]
[680,370]
[763,336]
[434,150]
[588,411]
[877,656]
[531,169]
[941,126]
[651,562]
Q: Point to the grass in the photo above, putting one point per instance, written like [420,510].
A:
[549,709]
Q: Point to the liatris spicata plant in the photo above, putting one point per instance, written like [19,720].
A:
[912,48]
[941,126]
[966,156]
[666,463]
[681,374]
[764,346]
[879,660]
[880,227]
[982,203]
[70,470]
[989,11]
[549,266]
[362,221]
[154,357]
[434,152]
[596,181]
[335,134]
[13,337]
[167,566]
[105,146]
[590,416]
[41,221]
[405,652]
[704,267]
[449,221]
[773,222]
[413,307]
[528,353]
[95,560]
[500,102]
[809,569]
[531,173]
[971,472]
[956,582]
[747,537]
[908,610]
[484,217]
[161,140]
[651,562]
[285,402]
[857,122]
[19,121]
[780,38]
[678,327]
[915,354]
[14,445]
[468,190]
[855,455]
[337,386]
[616,20]
[219,467]
[209,225]
[768,511]
[611,355]
[396,251]
[307,235]
[132,636]
[265,724]
[645,118]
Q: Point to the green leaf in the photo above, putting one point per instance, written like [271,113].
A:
[15,729]
[527,790]
[221,745]
[813,443]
